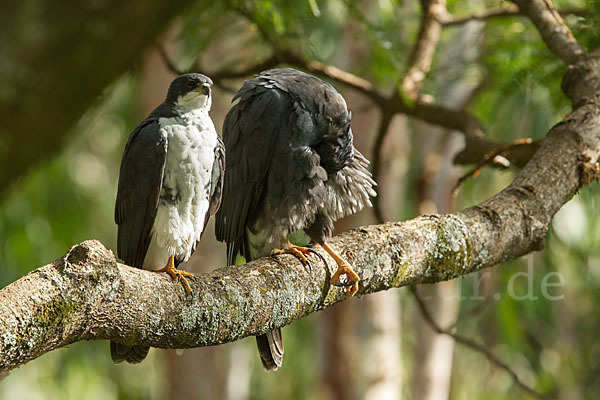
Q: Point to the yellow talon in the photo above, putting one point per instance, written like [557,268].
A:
[298,251]
[177,275]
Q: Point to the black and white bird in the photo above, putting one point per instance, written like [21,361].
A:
[170,183]
[291,165]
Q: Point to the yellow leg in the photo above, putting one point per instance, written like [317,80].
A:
[177,275]
[351,284]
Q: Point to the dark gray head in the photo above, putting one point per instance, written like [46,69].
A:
[185,84]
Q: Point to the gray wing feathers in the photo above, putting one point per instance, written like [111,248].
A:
[248,138]
[140,181]
[217,178]
[215,191]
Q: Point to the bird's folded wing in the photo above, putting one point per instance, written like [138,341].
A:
[140,181]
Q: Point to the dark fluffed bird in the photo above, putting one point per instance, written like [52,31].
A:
[291,165]
[170,183]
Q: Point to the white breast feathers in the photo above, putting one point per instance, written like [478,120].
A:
[185,193]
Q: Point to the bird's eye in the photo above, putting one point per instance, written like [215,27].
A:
[190,84]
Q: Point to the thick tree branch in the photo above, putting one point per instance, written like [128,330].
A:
[553,30]
[421,56]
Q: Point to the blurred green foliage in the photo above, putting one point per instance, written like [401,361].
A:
[552,344]
[70,198]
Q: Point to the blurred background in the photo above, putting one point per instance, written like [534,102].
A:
[77,78]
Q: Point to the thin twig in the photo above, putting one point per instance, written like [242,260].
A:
[332,72]
[559,19]
[475,346]
[471,312]
[510,11]
[496,158]
[268,63]
[168,62]
[219,77]
[384,125]
[264,32]
[555,34]
[421,55]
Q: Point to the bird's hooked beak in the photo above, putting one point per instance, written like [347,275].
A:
[205,89]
